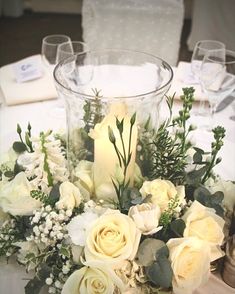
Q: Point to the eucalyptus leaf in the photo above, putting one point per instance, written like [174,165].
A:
[54,194]
[178,226]
[147,251]
[9,174]
[218,197]
[19,147]
[65,251]
[34,286]
[44,271]
[162,252]
[160,273]
[195,176]
[197,157]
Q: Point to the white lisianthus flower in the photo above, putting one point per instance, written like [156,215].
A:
[92,280]
[70,196]
[163,191]
[111,239]
[228,188]
[79,225]
[83,174]
[15,196]
[190,262]
[202,222]
[45,151]
[146,217]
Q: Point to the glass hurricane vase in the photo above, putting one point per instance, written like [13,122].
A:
[112,100]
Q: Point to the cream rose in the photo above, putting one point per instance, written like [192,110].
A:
[70,196]
[112,239]
[162,192]
[146,217]
[92,280]
[190,262]
[15,196]
[203,223]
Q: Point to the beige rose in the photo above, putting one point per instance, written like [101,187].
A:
[15,196]
[203,223]
[112,239]
[70,196]
[162,192]
[190,262]
[146,217]
[92,280]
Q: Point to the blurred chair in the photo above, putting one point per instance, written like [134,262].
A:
[213,20]
[151,26]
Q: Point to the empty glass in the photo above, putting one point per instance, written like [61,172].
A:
[217,77]
[68,49]
[200,50]
[49,49]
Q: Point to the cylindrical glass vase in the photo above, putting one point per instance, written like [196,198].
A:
[112,100]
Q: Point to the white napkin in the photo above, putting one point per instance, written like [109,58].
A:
[183,77]
[17,93]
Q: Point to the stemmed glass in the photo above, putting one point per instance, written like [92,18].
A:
[66,49]
[49,51]
[217,75]
[200,50]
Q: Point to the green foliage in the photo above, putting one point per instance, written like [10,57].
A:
[202,195]
[164,152]
[43,138]
[22,146]
[46,199]
[168,214]
[160,272]
[147,251]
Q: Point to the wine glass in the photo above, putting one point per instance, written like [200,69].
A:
[201,48]
[217,75]
[49,49]
[68,49]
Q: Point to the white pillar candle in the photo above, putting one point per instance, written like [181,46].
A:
[105,157]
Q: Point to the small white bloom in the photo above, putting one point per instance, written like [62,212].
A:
[49,281]
[78,226]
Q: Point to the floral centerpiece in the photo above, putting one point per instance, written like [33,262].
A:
[159,233]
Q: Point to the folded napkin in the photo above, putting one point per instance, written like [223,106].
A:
[183,77]
[31,91]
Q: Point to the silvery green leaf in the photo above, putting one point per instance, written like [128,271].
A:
[147,251]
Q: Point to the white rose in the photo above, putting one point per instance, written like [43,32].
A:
[83,174]
[228,188]
[202,222]
[112,239]
[15,196]
[146,217]
[70,196]
[92,280]
[162,191]
[190,262]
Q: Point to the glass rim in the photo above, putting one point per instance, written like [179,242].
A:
[92,97]
[44,40]
[211,41]
[61,45]
[207,57]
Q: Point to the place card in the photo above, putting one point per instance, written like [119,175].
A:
[28,69]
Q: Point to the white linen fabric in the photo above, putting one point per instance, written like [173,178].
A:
[213,20]
[31,91]
[151,26]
